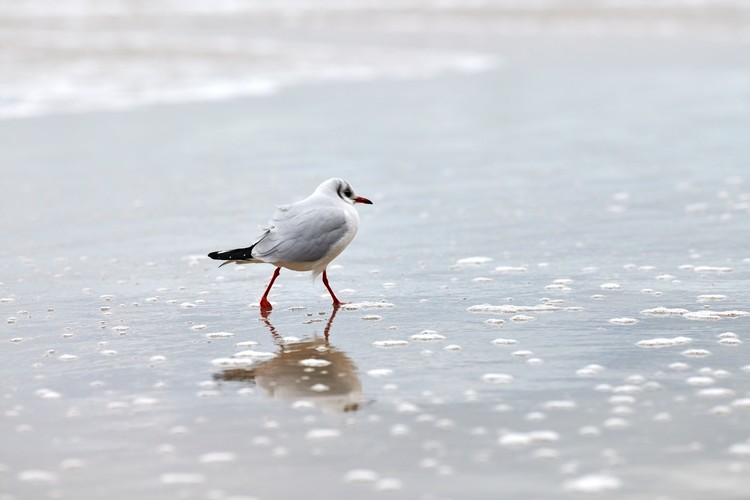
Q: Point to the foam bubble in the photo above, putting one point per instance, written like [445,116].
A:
[522,439]
[721,410]
[259,355]
[495,321]
[665,277]
[593,483]
[322,433]
[407,407]
[659,342]
[589,431]
[711,298]
[358,306]
[712,269]
[700,381]
[561,404]
[591,370]
[635,379]
[361,476]
[390,343]
[522,318]
[679,366]
[522,354]
[733,314]
[702,316]
[182,478]
[730,341]
[511,309]
[380,372]
[302,404]
[72,464]
[665,311]
[721,374]
[510,269]
[662,417]
[427,335]
[314,362]
[247,343]
[715,392]
[696,353]
[37,476]
[145,401]
[371,317]
[497,378]
[217,457]
[616,423]
[219,335]
[234,363]
[623,321]
[505,342]
[627,389]
[740,450]
[563,281]
[514,440]
[47,394]
[482,280]
[389,484]
[610,286]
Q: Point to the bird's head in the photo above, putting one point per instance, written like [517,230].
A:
[344,190]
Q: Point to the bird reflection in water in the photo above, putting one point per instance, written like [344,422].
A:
[311,370]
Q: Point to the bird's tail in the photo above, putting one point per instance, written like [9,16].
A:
[236,256]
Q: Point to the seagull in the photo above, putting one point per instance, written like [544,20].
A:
[304,236]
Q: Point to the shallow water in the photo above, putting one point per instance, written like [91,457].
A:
[549,296]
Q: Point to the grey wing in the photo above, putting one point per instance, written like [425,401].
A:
[301,234]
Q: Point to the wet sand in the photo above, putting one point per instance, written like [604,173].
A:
[549,295]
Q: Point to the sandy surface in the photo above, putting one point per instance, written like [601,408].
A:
[549,295]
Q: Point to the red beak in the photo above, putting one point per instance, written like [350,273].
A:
[359,199]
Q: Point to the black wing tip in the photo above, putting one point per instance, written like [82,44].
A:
[215,255]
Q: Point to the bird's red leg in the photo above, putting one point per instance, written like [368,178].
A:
[336,301]
[264,304]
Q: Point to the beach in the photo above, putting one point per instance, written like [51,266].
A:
[547,298]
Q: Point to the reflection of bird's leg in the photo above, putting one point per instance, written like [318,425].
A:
[336,301]
[327,329]
[264,304]
[276,337]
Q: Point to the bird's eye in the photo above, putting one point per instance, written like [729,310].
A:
[348,193]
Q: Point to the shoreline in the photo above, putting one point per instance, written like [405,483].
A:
[118,61]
